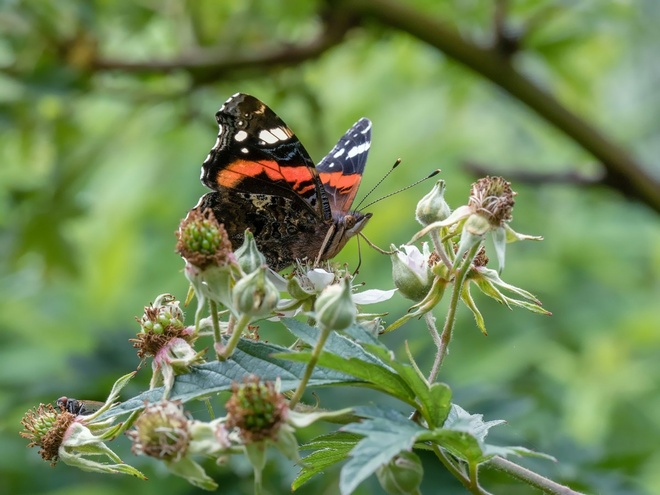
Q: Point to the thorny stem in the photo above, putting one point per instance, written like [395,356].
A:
[530,477]
[325,333]
[235,337]
[450,320]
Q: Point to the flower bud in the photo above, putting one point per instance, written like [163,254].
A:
[248,255]
[161,431]
[335,309]
[257,410]
[433,207]
[411,272]
[163,313]
[402,475]
[45,428]
[202,241]
[255,295]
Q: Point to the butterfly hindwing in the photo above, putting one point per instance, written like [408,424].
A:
[341,169]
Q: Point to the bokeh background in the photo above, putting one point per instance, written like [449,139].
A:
[106,113]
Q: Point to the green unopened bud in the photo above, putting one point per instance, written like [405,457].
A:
[335,309]
[45,428]
[202,241]
[411,272]
[402,475]
[161,431]
[255,295]
[256,409]
[164,313]
[433,207]
[248,255]
[296,290]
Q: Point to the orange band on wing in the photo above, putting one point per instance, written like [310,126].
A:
[339,181]
[298,177]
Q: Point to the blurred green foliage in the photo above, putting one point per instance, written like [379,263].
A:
[99,165]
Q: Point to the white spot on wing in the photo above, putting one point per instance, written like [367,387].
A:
[244,150]
[269,136]
[366,129]
[339,153]
[241,136]
[356,150]
[281,133]
[217,143]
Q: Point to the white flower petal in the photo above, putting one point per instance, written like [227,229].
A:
[320,279]
[373,296]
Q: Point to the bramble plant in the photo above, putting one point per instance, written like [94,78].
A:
[336,344]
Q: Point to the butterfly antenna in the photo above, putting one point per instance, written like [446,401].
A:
[396,164]
[432,174]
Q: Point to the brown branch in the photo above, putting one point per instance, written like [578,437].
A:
[207,67]
[623,172]
[521,175]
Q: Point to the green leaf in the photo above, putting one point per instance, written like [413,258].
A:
[386,433]
[343,354]
[464,436]
[336,344]
[249,358]
[434,401]
[329,450]
[461,420]
[376,376]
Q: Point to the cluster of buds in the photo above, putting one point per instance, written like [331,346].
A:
[458,250]
[257,416]
[164,337]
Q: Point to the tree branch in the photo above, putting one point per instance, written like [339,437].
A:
[524,176]
[623,172]
[206,67]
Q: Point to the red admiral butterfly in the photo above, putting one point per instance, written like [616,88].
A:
[263,179]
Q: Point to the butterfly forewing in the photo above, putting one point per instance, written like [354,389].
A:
[257,153]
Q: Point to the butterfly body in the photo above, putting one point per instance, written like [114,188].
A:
[263,179]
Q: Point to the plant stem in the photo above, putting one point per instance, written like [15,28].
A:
[530,477]
[440,248]
[325,332]
[216,322]
[450,320]
[235,337]
[457,473]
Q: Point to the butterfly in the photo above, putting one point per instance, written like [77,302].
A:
[263,179]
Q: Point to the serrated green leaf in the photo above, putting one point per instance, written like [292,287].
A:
[461,420]
[330,449]
[249,358]
[376,376]
[438,404]
[386,433]
[434,401]
[336,343]
[492,450]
